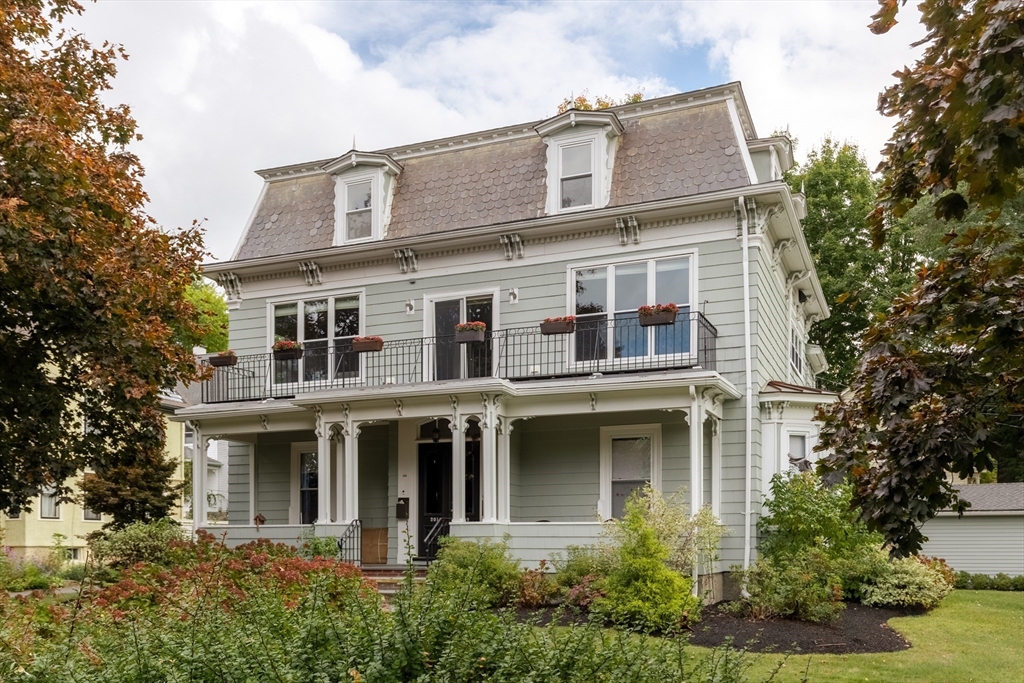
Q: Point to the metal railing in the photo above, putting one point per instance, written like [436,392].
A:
[432,541]
[350,543]
[604,343]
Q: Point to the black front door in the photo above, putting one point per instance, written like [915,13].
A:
[435,475]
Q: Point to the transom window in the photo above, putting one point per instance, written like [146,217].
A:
[576,175]
[325,327]
[359,211]
[606,303]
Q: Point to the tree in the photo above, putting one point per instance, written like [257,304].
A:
[92,294]
[212,311]
[960,113]
[583,103]
[857,280]
[940,388]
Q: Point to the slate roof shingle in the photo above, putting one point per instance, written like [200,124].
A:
[296,214]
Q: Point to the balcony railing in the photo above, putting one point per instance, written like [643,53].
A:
[600,344]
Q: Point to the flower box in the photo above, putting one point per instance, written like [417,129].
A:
[469,336]
[288,354]
[367,344]
[660,314]
[223,360]
[565,325]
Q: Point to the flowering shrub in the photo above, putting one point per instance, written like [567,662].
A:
[472,326]
[371,338]
[658,308]
[226,354]
[584,593]
[285,345]
[909,582]
[562,319]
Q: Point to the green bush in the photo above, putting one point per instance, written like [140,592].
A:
[641,591]
[1002,582]
[908,582]
[482,569]
[963,580]
[150,542]
[317,546]
[580,561]
[981,582]
[806,587]
[537,588]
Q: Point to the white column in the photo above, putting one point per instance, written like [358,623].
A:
[352,472]
[323,474]
[458,469]
[716,466]
[198,478]
[504,483]
[697,416]
[252,483]
[489,461]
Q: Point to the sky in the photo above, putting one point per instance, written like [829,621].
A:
[221,89]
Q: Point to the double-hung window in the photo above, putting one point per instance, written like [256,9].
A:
[796,351]
[630,460]
[576,175]
[49,504]
[359,211]
[607,299]
[325,327]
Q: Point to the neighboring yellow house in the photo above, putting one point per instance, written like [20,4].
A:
[31,534]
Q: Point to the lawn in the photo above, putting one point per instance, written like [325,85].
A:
[973,637]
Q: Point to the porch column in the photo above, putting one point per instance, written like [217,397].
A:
[252,483]
[198,477]
[489,460]
[351,472]
[323,473]
[697,417]
[504,483]
[459,426]
[716,466]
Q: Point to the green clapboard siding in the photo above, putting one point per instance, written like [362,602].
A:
[238,483]
[273,466]
[373,476]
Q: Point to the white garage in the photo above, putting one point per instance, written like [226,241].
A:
[988,538]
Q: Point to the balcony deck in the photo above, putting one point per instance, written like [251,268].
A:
[521,354]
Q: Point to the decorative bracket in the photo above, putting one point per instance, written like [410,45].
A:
[263,422]
[781,247]
[629,230]
[593,401]
[398,407]
[319,428]
[406,260]
[232,285]
[311,271]
[513,245]
[809,322]
[758,217]
[337,432]
[796,277]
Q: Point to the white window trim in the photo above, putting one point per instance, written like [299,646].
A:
[804,429]
[60,512]
[428,320]
[604,502]
[796,333]
[603,157]
[378,200]
[298,448]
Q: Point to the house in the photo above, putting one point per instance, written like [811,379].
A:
[591,214]
[988,538]
[33,533]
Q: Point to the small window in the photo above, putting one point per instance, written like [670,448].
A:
[76,554]
[797,446]
[630,460]
[576,177]
[90,516]
[358,211]
[49,506]
[796,351]
[13,515]
[308,488]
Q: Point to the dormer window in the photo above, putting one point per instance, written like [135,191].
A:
[576,175]
[359,211]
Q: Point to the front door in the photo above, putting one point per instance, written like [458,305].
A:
[435,475]
[457,361]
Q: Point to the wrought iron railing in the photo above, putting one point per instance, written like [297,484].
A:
[350,543]
[432,541]
[601,343]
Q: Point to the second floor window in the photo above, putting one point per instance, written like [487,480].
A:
[796,351]
[90,516]
[49,505]
[325,327]
[359,211]
[576,175]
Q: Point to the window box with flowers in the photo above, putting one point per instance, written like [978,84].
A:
[370,344]
[285,349]
[224,359]
[659,314]
[466,333]
[564,325]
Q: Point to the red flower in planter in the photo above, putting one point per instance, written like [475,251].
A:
[371,338]
[562,319]
[472,326]
[658,308]
[285,345]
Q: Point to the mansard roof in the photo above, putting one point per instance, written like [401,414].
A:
[670,147]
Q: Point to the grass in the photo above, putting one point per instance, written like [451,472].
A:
[972,637]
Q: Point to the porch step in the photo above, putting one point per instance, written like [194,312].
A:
[388,579]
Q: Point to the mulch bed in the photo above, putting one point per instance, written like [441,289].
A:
[858,629]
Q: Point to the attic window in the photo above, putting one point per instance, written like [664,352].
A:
[359,211]
[576,175]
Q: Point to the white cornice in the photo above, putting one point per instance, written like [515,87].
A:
[354,158]
[578,117]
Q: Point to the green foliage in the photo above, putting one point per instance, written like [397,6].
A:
[584,103]
[857,280]
[212,314]
[93,293]
[805,586]
[642,591]
[959,120]
[940,389]
[150,542]
[537,588]
[907,582]
[312,545]
[483,568]
[1002,582]
[581,561]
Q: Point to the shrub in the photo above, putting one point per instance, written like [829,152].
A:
[642,591]
[317,546]
[537,588]
[482,568]
[981,582]
[909,582]
[150,542]
[963,580]
[941,569]
[807,587]
[581,561]
[1017,583]
[1002,582]
[584,593]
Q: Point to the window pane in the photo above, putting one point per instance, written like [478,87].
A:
[577,192]
[630,338]
[591,291]
[673,339]
[359,225]
[315,317]
[576,160]
[621,491]
[90,516]
[631,458]
[797,446]
[346,317]
[631,287]
[314,361]
[48,506]
[478,354]
[672,282]
[286,322]
[360,196]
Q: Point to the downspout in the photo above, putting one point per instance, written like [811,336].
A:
[747,369]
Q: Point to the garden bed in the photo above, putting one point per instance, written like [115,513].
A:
[858,629]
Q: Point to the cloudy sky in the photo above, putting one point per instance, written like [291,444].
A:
[221,89]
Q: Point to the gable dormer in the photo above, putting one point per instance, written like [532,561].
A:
[580,153]
[364,185]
